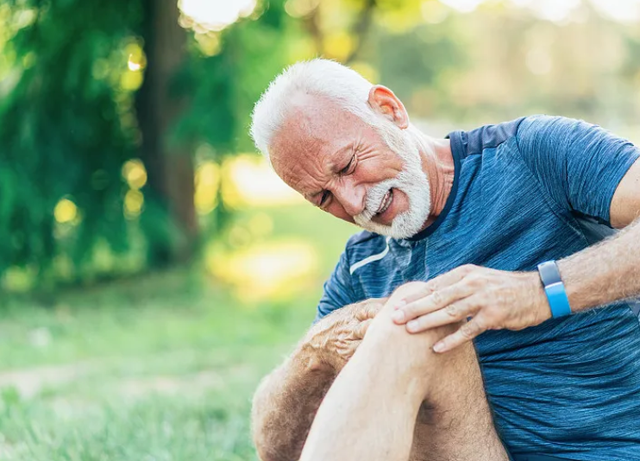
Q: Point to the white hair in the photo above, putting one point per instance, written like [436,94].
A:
[319,77]
[348,89]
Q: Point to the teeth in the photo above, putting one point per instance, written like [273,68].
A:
[386,202]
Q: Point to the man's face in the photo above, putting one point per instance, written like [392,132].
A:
[369,176]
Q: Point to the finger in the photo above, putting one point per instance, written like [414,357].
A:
[369,310]
[360,330]
[465,333]
[438,283]
[346,350]
[452,313]
[433,302]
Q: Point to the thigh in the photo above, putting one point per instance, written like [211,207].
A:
[455,421]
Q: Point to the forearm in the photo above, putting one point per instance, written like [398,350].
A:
[604,273]
[287,399]
[348,424]
[284,406]
[370,410]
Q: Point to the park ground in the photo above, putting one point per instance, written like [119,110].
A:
[153,368]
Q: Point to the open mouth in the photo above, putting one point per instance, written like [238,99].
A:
[386,202]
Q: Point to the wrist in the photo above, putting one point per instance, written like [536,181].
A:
[537,299]
[554,289]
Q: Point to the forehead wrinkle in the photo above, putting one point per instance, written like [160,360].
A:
[300,166]
[303,178]
[308,146]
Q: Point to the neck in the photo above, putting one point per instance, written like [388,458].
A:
[438,165]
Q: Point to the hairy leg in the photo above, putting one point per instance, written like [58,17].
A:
[371,409]
[454,422]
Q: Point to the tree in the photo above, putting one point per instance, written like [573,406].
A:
[73,113]
[62,135]
[160,103]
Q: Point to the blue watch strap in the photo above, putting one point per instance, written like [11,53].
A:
[554,289]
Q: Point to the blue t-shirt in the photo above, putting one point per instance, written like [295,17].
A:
[527,191]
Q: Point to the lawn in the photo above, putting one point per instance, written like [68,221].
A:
[158,368]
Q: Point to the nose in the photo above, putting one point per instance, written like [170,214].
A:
[352,198]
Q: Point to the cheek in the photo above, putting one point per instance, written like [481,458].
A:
[378,169]
[338,211]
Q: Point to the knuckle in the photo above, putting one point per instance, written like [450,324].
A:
[470,330]
[361,315]
[368,309]
[437,297]
[466,333]
[453,310]
[486,298]
[475,280]
[490,321]
[411,311]
[362,329]
[479,323]
[467,269]
[493,317]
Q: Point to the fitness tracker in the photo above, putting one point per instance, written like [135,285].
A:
[554,288]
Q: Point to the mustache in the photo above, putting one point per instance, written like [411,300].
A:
[374,198]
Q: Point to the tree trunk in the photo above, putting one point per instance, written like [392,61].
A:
[169,166]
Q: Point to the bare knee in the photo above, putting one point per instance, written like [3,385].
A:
[411,345]
[414,352]
[407,289]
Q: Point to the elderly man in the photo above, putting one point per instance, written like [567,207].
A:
[504,235]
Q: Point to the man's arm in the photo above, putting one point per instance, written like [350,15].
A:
[396,401]
[287,399]
[609,271]
[601,274]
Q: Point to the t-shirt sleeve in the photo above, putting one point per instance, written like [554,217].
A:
[338,291]
[578,164]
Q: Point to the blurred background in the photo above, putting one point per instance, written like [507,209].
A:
[152,267]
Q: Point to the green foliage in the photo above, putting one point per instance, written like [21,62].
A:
[65,130]
[67,125]
[500,62]
[224,87]
[68,120]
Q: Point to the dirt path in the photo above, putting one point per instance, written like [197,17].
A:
[30,381]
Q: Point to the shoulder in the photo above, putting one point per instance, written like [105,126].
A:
[523,129]
[474,142]
[549,128]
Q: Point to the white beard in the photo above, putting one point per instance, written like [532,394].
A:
[412,181]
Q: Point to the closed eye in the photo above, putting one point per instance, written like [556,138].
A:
[346,169]
[325,197]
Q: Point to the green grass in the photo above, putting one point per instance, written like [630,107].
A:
[153,368]
[160,368]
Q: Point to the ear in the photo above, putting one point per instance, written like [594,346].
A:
[384,102]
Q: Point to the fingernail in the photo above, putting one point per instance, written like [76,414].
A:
[398,316]
[400,304]
[439,347]
[412,326]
